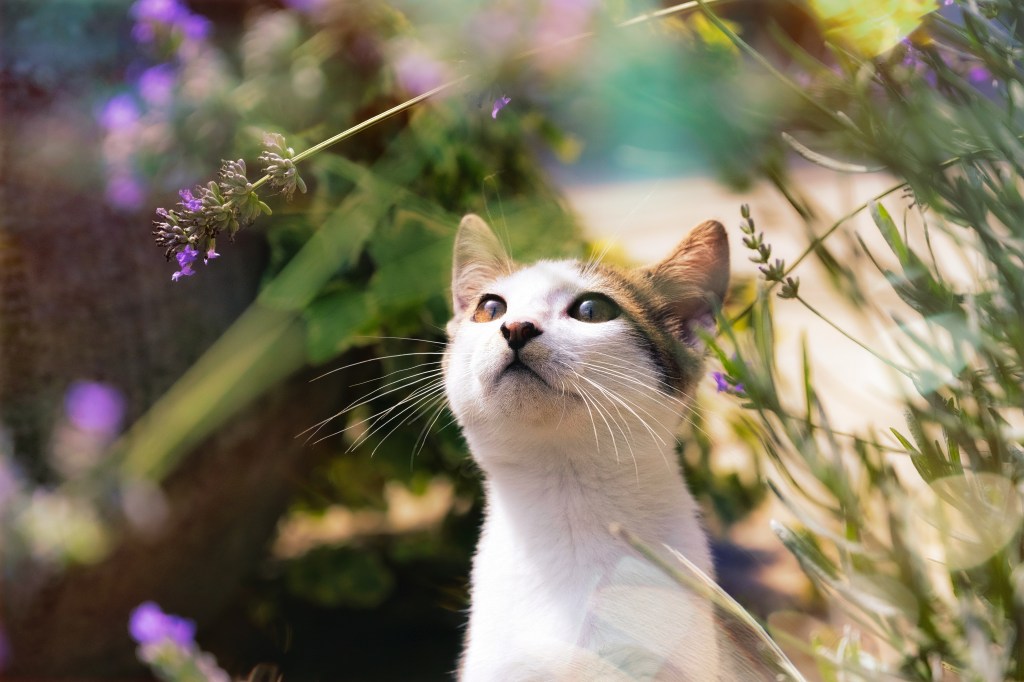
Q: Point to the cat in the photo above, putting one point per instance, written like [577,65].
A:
[569,381]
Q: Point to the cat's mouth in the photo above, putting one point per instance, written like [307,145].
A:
[519,368]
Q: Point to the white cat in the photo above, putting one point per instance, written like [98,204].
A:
[569,381]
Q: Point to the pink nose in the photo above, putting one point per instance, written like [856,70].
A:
[518,333]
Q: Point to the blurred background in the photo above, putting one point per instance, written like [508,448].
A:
[259,447]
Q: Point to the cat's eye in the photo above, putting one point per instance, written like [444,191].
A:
[594,308]
[491,307]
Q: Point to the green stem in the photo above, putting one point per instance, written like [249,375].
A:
[695,579]
[902,370]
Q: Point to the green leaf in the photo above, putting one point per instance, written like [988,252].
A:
[333,321]
[413,257]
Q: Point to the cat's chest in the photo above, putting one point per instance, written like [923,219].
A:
[617,618]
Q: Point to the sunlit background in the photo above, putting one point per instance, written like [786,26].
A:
[236,449]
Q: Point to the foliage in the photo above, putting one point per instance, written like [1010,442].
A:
[926,564]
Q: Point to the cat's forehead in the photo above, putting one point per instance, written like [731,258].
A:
[552,278]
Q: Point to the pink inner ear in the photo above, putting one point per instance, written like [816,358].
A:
[694,280]
[478,259]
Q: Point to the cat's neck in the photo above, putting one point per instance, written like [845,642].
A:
[553,496]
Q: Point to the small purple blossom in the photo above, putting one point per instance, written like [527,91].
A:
[306,6]
[721,384]
[156,84]
[979,74]
[125,191]
[210,255]
[499,104]
[190,202]
[418,72]
[119,112]
[164,11]
[148,624]
[195,27]
[185,258]
[724,384]
[94,406]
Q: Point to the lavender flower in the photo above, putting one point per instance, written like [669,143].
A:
[721,383]
[164,11]
[499,104]
[725,384]
[125,191]
[156,85]
[190,202]
[119,112]
[148,624]
[94,406]
[210,255]
[185,258]
[279,166]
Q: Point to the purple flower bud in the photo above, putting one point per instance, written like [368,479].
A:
[156,84]
[418,72]
[979,74]
[94,406]
[306,6]
[119,112]
[189,201]
[210,255]
[164,11]
[148,624]
[186,271]
[499,104]
[721,384]
[186,256]
[195,27]
[125,191]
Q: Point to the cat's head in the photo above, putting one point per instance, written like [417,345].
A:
[566,348]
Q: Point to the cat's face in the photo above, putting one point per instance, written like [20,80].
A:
[561,349]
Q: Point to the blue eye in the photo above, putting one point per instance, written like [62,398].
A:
[491,307]
[594,308]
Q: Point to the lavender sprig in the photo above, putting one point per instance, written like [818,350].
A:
[203,213]
[279,166]
[773,272]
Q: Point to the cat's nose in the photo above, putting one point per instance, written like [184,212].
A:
[518,333]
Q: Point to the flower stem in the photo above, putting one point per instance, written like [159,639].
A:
[695,579]
[902,370]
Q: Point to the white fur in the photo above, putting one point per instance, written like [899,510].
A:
[554,595]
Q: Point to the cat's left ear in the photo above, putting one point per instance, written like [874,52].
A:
[693,281]
[478,260]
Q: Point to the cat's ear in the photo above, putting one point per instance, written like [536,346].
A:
[693,281]
[479,259]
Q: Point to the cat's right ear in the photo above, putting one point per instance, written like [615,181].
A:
[479,259]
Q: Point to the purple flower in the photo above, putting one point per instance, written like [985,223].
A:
[94,406]
[164,11]
[195,27]
[499,104]
[210,255]
[148,624]
[721,383]
[156,84]
[418,72]
[979,74]
[307,6]
[185,258]
[119,112]
[190,202]
[125,191]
